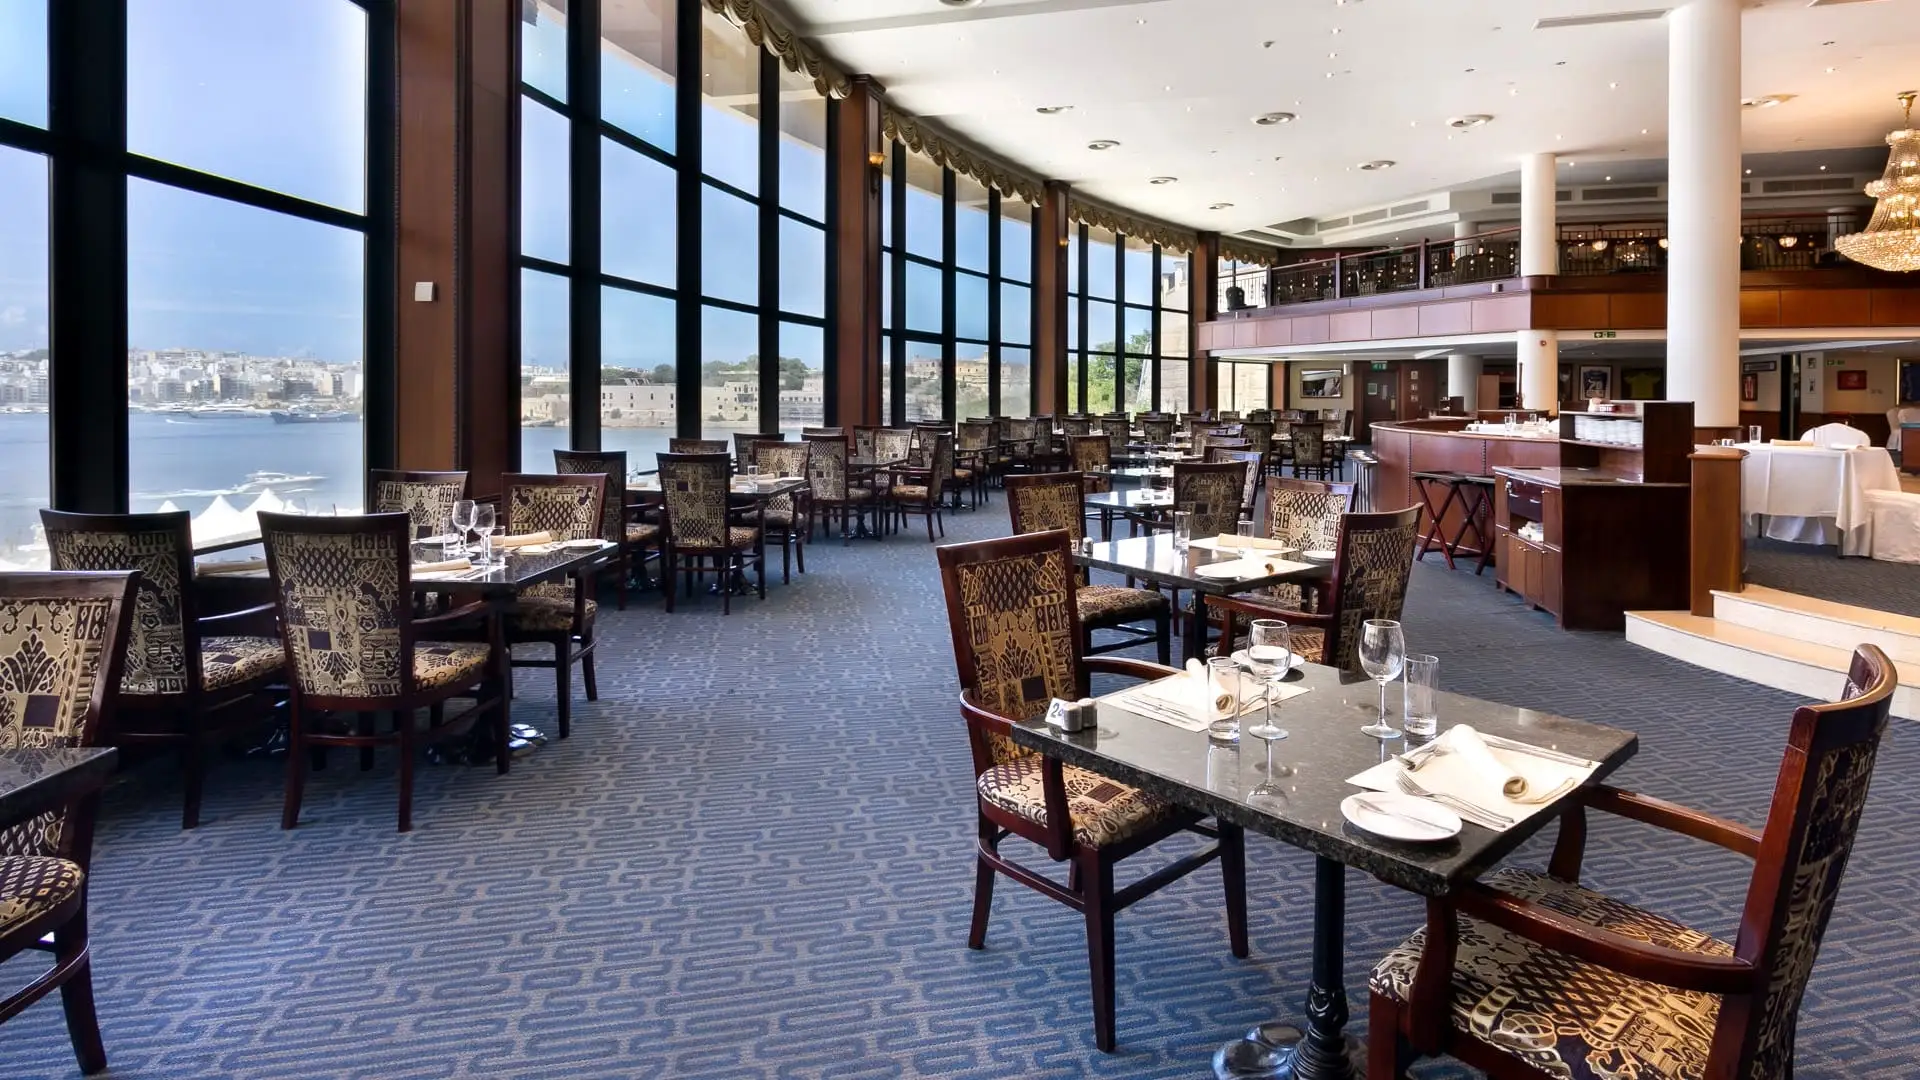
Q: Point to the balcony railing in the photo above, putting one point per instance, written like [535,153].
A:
[1775,243]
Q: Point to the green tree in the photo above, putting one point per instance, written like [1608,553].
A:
[663,374]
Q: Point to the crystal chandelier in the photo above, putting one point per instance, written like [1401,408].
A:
[1892,238]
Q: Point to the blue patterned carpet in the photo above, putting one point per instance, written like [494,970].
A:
[753,859]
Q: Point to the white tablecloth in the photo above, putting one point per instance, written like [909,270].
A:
[1812,495]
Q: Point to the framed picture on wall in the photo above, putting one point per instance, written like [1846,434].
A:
[1850,380]
[1595,382]
[1749,387]
[1644,384]
[1321,384]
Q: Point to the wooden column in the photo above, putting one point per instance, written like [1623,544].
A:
[457,380]
[1203,302]
[855,213]
[1717,548]
[1050,234]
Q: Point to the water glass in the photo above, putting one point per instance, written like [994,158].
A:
[1753,433]
[1243,529]
[463,519]
[1383,651]
[483,524]
[1421,676]
[1270,657]
[1182,529]
[1223,678]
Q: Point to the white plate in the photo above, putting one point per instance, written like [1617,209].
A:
[584,543]
[1226,571]
[1294,660]
[1433,822]
[1318,556]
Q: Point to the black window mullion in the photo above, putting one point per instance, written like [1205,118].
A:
[1080,315]
[769,131]
[1119,320]
[949,293]
[379,401]
[687,189]
[896,403]
[583,228]
[993,301]
[1153,337]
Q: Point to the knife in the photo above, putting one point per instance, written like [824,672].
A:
[1372,807]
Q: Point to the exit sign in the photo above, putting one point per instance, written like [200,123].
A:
[1379,365]
[1604,334]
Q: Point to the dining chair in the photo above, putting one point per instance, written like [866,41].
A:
[1091,456]
[973,454]
[922,494]
[1253,461]
[425,497]
[1373,559]
[558,613]
[190,681]
[1046,501]
[1304,515]
[1016,642]
[342,589]
[1077,424]
[863,443]
[837,432]
[631,539]
[63,643]
[1310,450]
[696,446]
[1258,434]
[1527,975]
[701,534]
[1021,438]
[788,517]
[1158,432]
[1210,491]
[745,441]
[829,488]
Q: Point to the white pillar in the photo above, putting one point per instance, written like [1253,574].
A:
[1538,353]
[1464,229]
[1463,380]
[1703,209]
[1539,235]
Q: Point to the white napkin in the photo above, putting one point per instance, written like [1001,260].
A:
[1259,566]
[523,540]
[1185,700]
[1462,765]
[1231,542]
[441,567]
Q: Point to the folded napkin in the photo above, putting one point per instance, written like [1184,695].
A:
[1232,542]
[1790,442]
[523,540]
[236,566]
[1186,701]
[441,567]
[1260,566]
[1498,776]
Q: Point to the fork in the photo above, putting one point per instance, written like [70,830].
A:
[1475,814]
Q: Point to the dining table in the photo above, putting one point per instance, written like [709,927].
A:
[1813,494]
[1123,501]
[1292,790]
[35,780]
[1155,558]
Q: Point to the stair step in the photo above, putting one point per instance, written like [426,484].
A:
[1809,669]
[1820,622]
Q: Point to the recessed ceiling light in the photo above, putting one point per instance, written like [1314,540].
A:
[1469,121]
[1333,56]
[1221,206]
[1272,118]
[959,3]
[1826,43]
[1832,70]
[1103,144]
[1607,179]
[1513,91]
[1337,30]
[1376,165]
[1139,22]
[1559,63]
[1823,168]
[1749,172]
[1470,71]
[1766,101]
[1163,179]
[1613,86]
[1643,131]
[1052,110]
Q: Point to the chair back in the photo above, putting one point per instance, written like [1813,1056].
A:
[694,489]
[838,432]
[1159,432]
[782,459]
[1817,801]
[743,442]
[1211,493]
[1089,453]
[1038,502]
[1228,414]
[827,467]
[611,464]
[1015,626]
[1259,415]
[425,497]
[341,587]
[893,444]
[696,446]
[163,643]
[864,442]
[1076,425]
[63,642]
[1373,559]
[1255,464]
[1258,433]
[1309,444]
[1305,514]
[975,435]
[569,506]
[939,465]
[1836,436]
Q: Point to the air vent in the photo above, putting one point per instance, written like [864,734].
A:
[1746,188]
[1506,198]
[1561,22]
[1820,183]
[1619,194]
[1837,3]
[1409,208]
[1369,217]
[1563,195]
[1331,224]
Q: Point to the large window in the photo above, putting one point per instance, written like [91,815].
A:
[1015,296]
[1242,387]
[803,254]
[24,367]
[1172,346]
[972,288]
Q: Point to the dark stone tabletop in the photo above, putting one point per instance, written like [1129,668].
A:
[34,781]
[1325,747]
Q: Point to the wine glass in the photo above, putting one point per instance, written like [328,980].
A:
[483,524]
[1270,657]
[1383,651]
[463,519]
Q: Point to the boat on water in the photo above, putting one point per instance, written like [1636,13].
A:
[268,478]
[227,412]
[330,416]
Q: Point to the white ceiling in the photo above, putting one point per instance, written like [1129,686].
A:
[1178,81]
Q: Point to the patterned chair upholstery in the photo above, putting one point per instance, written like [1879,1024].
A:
[863,443]
[63,643]
[425,497]
[341,585]
[567,506]
[745,441]
[1158,432]
[926,487]
[1259,435]
[790,517]
[629,537]
[1304,515]
[1011,606]
[189,681]
[1211,492]
[974,457]
[829,487]
[1091,456]
[1076,425]
[1594,1005]
[696,446]
[1046,501]
[1310,450]
[1253,461]
[701,534]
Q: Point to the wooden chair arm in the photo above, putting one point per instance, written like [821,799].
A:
[1053,783]
[1247,604]
[1120,665]
[1584,941]
[259,617]
[1569,847]
[452,618]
